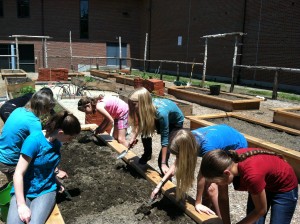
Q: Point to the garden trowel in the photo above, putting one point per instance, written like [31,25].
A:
[124,153]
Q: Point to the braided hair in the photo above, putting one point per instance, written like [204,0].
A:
[215,162]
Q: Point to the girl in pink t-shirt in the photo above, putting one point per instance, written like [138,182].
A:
[113,109]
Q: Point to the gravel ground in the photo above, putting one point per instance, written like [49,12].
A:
[237,199]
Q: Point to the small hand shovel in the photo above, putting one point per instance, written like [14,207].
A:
[124,153]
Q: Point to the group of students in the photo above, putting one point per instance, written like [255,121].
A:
[269,179]
[226,158]
[29,155]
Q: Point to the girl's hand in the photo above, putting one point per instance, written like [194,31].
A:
[164,168]
[62,174]
[133,142]
[201,208]
[155,192]
[24,213]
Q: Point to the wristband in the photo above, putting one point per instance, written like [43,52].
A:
[163,162]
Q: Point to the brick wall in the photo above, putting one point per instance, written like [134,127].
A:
[272,33]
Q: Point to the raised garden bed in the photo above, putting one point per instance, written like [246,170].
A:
[15,84]
[94,83]
[125,80]
[224,101]
[103,74]
[289,117]
[75,74]
[13,73]
[259,134]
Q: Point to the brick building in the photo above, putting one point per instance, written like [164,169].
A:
[174,28]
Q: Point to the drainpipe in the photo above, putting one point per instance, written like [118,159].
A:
[238,78]
[149,33]
[43,30]
[42,18]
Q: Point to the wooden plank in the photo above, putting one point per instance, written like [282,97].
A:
[247,102]
[266,124]
[168,189]
[88,127]
[55,217]
[286,117]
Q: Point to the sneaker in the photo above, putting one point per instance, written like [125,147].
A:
[144,159]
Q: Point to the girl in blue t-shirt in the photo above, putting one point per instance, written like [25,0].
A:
[149,115]
[34,191]
[187,145]
[20,123]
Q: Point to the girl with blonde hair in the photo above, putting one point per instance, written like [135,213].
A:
[148,115]
[115,113]
[186,146]
[270,181]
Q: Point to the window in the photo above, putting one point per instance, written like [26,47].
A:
[1,8]
[23,8]
[84,19]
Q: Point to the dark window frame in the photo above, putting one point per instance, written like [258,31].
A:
[1,9]
[23,8]
[84,19]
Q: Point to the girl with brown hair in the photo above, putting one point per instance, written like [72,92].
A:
[35,186]
[269,179]
[114,111]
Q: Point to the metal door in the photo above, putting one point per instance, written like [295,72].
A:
[112,50]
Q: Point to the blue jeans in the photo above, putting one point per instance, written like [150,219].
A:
[40,207]
[282,205]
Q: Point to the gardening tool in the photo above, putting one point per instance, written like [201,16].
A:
[124,153]
[146,207]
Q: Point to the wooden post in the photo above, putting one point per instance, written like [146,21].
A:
[234,63]
[275,86]
[17,53]
[204,63]
[160,74]
[71,51]
[145,52]
[46,53]
[177,75]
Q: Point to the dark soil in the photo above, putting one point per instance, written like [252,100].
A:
[268,134]
[15,80]
[103,189]
[221,95]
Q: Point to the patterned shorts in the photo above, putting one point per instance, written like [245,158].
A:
[122,122]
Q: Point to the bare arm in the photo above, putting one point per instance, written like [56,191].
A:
[260,208]
[134,134]
[200,189]
[163,180]
[23,211]
[108,119]
[224,203]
